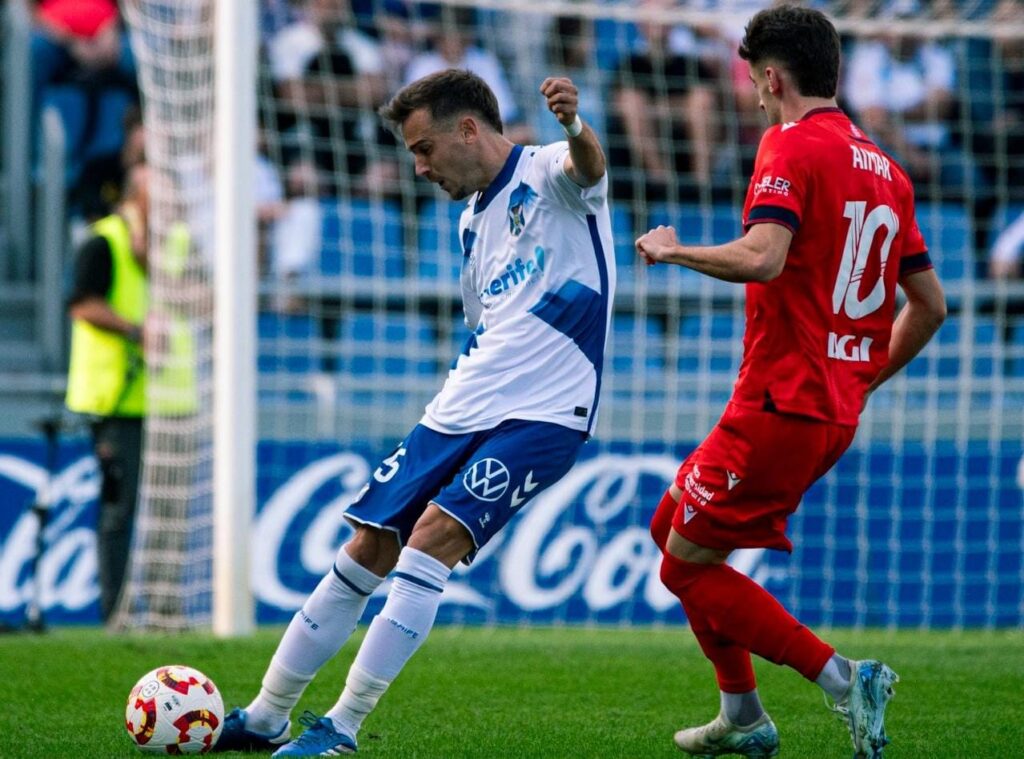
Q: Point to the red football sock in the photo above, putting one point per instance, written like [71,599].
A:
[733,668]
[661,522]
[738,609]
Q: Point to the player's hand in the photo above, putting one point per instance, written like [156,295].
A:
[655,246]
[563,98]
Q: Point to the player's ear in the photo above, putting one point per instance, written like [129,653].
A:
[468,129]
[774,80]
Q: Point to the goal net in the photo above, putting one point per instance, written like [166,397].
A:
[168,585]
[359,313]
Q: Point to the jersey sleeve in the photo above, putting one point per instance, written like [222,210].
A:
[556,184]
[778,188]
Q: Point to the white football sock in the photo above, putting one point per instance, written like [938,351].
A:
[835,677]
[394,636]
[741,709]
[315,634]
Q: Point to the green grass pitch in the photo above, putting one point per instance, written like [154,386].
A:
[528,692]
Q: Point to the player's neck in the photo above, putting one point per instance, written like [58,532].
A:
[800,107]
[496,153]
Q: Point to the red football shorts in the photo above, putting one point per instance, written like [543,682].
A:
[746,478]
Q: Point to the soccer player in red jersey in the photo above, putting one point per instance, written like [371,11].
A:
[829,234]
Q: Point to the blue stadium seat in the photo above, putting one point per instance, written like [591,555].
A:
[986,336]
[286,343]
[1015,349]
[704,225]
[624,236]
[362,238]
[628,332]
[711,343]
[439,249]
[949,236]
[388,344]
[948,342]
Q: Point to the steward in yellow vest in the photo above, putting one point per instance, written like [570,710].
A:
[106,378]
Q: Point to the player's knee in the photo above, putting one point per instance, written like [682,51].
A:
[661,522]
[373,548]
[678,575]
[442,536]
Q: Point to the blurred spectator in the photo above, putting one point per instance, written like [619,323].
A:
[902,89]
[99,185]
[453,46]
[1002,143]
[1007,251]
[75,37]
[329,78]
[997,103]
[663,113]
[297,231]
[79,45]
[570,53]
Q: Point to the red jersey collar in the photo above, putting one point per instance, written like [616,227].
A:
[816,111]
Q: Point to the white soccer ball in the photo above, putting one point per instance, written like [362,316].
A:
[174,710]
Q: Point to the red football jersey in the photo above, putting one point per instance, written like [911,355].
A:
[818,334]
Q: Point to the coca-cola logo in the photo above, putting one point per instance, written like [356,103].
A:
[586,536]
[67,567]
[579,550]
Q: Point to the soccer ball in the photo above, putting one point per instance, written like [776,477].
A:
[174,710]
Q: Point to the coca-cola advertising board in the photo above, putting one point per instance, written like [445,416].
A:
[581,552]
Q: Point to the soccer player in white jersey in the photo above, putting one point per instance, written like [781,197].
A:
[538,277]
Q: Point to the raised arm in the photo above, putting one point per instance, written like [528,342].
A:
[758,256]
[586,162]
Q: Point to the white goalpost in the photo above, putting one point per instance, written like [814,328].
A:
[234,367]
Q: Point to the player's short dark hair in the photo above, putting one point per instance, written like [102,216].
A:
[802,40]
[445,95]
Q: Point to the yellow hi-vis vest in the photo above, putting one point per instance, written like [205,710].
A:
[106,376]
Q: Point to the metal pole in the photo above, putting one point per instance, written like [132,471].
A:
[234,360]
[17,142]
[51,242]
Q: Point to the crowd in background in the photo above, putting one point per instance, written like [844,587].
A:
[674,102]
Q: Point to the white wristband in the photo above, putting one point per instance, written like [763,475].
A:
[575,128]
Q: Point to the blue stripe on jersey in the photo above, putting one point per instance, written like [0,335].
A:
[602,271]
[581,314]
[355,588]
[915,262]
[418,581]
[469,345]
[776,214]
[575,311]
[499,182]
[468,238]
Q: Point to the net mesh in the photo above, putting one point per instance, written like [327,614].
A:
[168,582]
[919,524]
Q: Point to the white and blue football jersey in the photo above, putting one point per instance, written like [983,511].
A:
[538,279]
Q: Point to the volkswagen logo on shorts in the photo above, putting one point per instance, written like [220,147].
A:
[487,479]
